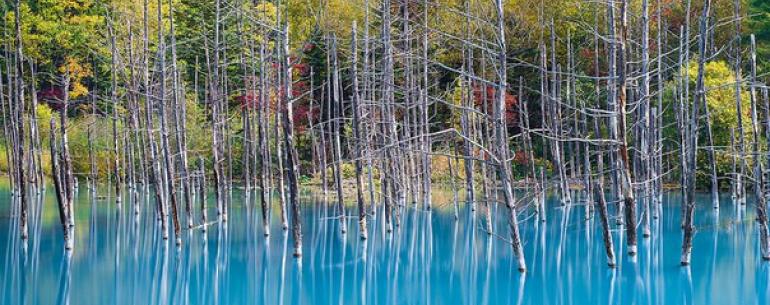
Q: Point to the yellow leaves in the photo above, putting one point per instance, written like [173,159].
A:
[86,20]
[719,79]
[76,73]
[78,90]
[74,68]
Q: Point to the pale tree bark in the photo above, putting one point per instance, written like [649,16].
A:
[698,99]
[504,169]
[21,104]
[291,156]
[357,135]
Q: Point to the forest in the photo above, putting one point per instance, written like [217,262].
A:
[373,105]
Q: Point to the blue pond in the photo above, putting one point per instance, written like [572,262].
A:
[430,258]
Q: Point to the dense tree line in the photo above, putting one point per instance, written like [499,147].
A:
[515,99]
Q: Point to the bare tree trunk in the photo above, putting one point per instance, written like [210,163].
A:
[179,111]
[557,145]
[263,146]
[465,118]
[90,133]
[155,173]
[452,182]
[114,99]
[738,65]
[357,135]
[291,156]
[699,98]
[57,182]
[339,116]
[629,203]
[35,146]
[609,248]
[504,168]
[761,183]
[21,104]
[216,116]
[646,152]
[170,177]
[66,170]
[764,235]
[426,139]
[203,191]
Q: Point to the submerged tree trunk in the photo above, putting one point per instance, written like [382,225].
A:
[626,185]
[58,187]
[762,190]
[20,103]
[609,248]
[291,150]
[170,182]
[504,168]
[338,117]
[699,98]
[114,99]
[764,235]
[357,135]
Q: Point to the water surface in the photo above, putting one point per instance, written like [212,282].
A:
[429,259]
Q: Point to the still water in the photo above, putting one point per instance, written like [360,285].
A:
[430,259]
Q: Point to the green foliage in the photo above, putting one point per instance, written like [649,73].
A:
[719,80]
[720,97]
[57,33]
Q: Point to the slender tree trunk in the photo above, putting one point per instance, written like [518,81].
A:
[264,163]
[504,168]
[154,173]
[179,111]
[339,116]
[357,135]
[58,187]
[629,202]
[291,157]
[609,248]
[738,65]
[170,177]
[699,98]
[645,146]
[21,104]
[114,99]
[66,168]
[764,234]
[204,191]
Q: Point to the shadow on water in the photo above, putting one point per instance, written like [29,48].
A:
[430,258]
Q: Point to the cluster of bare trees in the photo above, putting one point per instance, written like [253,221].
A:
[592,119]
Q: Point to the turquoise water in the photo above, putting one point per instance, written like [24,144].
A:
[430,259]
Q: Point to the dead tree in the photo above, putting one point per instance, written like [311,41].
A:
[114,99]
[357,135]
[168,169]
[619,128]
[698,99]
[20,130]
[609,248]
[503,166]
[337,130]
[59,189]
[288,131]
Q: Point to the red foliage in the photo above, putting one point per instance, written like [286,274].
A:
[308,47]
[303,69]
[520,157]
[300,115]
[486,93]
[53,96]
[299,88]
[249,99]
